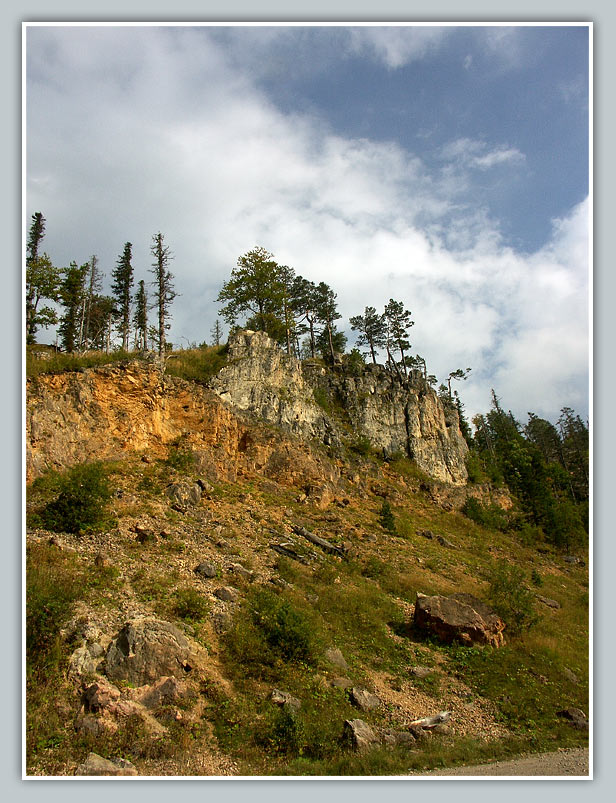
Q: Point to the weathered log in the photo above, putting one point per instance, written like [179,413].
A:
[320,542]
[427,723]
[289,553]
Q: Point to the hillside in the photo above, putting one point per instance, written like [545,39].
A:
[237,586]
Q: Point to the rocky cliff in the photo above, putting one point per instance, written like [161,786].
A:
[332,406]
[103,413]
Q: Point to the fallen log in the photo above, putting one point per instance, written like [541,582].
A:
[427,723]
[289,553]
[318,541]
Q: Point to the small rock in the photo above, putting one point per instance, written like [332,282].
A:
[100,561]
[240,571]
[359,735]
[99,695]
[222,621]
[97,765]
[576,717]
[444,542]
[285,700]
[426,534]
[227,593]
[571,676]
[334,656]
[551,603]
[341,683]
[421,671]
[399,738]
[206,570]
[364,700]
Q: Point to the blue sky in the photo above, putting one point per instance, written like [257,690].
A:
[443,166]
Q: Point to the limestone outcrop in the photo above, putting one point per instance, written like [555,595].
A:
[314,402]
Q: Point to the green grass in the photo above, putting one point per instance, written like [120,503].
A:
[197,365]
[61,363]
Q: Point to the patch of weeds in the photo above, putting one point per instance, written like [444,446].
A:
[322,399]
[190,605]
[362,446]
[82,494]
[198,365]
[180,457]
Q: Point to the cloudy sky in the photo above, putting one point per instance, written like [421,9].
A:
[443,166]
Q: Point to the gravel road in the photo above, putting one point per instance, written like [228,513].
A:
[562,762]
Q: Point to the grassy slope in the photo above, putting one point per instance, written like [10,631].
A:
[504,701]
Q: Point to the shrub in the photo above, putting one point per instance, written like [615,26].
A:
[189,604]
[83,493]
[180,457]
[510,597]
[386,517]
[491,516]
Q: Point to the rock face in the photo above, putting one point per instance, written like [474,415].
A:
[102,413]
[146,649]
[394,416]
[460,617]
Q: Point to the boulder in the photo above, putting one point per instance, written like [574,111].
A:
[335,657]
[359,735]
[364,700]
[97,765]
[227,593]
[285,700]
[207,570]
[460,617]
[147,649]
[184,494]
[575,716]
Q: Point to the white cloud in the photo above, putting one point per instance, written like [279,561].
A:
[189,146]
[397,46]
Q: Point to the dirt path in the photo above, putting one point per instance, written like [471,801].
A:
[562,762]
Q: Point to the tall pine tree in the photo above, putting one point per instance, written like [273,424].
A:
[164,292]
[121,288]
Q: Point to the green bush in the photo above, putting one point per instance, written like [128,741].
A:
[180,457]
[490,516]
[269,628]
[83,493]
[510,597]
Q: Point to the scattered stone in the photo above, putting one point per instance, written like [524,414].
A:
[165,534]
[97,765]
[335,657]
[164,692]
[285,700]
[364,700]
[222,621]
[100,561]
[184,494]
[359,735]
[443,730]
[341,683]
[399,738]
[444,542]
[573,560]
[421,671]
[227,593]
[85,660]
[240,571]
[426,534]
[570,675]
[551,603]
[147,649]
[576,717]
[206,570]
[418,733]
[59,544]
[460,617]
[99,695]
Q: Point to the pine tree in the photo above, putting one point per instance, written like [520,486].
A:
[122,288]
[216,333]
[72,296]
[398,322]
[372,329]
[140,318]
[94,288]
[327,314]
[42,281]
[164,292]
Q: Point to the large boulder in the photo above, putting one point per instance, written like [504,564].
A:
[147,649]
[460,617]
[358,735]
